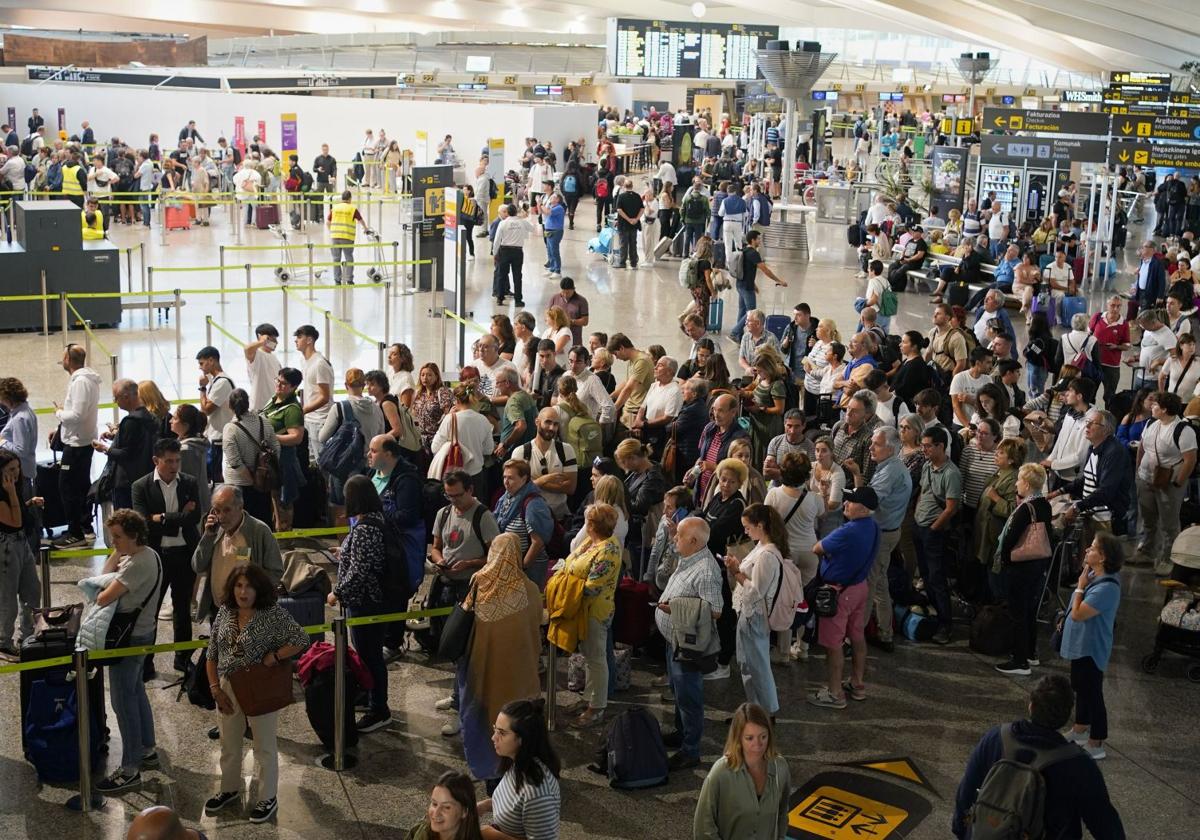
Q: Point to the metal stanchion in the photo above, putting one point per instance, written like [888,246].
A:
[178,327]
[382,348]
[221,258]
[149,290]
[87,800]
[285,316]
[249,305]
[328,335]
[128,270]
[62,315]
[552,689]
[312,274]
[162,222]
[142,261]
[237,221]
[45,307]
[208,330]
[338,760]
[44,573]
[87,339]
[387,316]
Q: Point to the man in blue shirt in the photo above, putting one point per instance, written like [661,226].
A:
[555,214]
[1002,277]
[846,558]
[892,484]
[1151,277]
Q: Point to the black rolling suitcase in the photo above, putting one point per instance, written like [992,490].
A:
[54,515]
[308,608]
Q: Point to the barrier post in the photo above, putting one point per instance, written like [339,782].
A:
[338,760]
[396,267]
[284,301]
[62,314]
[208,330]
[86,800]
[87,338]
[236,223]
[149,290]
[221,257]
[45,307]
[44,573]
[382,350]
[142,260]
[328,336]
[162,221]
[312,275]
[112,364]
[128,271]
[178,327]
[387,316]
[551,688]
[249,305]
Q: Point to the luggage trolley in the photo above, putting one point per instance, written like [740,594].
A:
[377,273]
[289,267]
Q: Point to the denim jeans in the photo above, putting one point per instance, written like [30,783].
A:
[754,659]
[688,687]
[147,211]
[553,249]
[1035,378]
[18,585]
[368,641]
[747,300]
[131,707]
[692,232]
[931,560]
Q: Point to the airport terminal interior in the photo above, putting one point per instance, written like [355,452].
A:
[229,147]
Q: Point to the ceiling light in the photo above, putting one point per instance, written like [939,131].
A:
[699,10]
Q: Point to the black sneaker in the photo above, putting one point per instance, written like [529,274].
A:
[150,760]
[941,637]
[183,662]
[1018,669]
[682,761]
[118,782]
[373,720]
[219,801]
[673,739]
[264,810]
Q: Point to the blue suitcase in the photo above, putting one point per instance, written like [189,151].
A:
[1071,306]
[777,324]
[716,315]
[308,608]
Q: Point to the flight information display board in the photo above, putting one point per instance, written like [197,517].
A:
[663,49]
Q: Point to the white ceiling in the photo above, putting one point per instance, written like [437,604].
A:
[1084,35]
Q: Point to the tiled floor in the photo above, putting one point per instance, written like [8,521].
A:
[927,704]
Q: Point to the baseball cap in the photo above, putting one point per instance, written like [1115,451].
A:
[864,496]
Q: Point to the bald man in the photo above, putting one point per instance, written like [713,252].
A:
[552,463]
[161,823]
[130,447]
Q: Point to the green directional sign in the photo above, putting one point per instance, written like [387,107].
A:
[1186,129]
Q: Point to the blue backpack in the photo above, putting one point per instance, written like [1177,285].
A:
[633,751]
[51,730]
[569,183]
[342,456]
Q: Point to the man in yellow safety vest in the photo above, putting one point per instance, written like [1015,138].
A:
[342,219]
[93,221]
[73,180]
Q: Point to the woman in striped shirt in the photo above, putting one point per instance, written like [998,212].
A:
[527,802]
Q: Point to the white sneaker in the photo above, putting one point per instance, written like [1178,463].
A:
[799,650]
[860,274]
[445,704]
[1096,753]
[1077,737]
[452,728]
[167,611]
[722,673]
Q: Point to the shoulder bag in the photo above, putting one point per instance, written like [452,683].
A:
[266,465]
[1162,475]
[671,450]
[260,689]
[458,629]
[120,629]
[1034,543]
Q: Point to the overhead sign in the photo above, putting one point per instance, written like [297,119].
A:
[1158,128]
[1129,77]
[1045,122]
[1089,97]
[848,806]
[108,77]
[312,82]
[1170,155]
[1042,151]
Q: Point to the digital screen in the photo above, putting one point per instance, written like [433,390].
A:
[891,97]
[951,98]
[825,95]
[1008,100]
[472,86]
[547,90]
[676,50]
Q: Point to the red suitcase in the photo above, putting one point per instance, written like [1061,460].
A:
[633,619]
[266,215]
[177,218]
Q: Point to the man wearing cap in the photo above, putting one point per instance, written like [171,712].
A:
[575,305]
[915,252]
[846,558]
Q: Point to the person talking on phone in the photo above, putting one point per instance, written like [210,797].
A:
[232,537]
[263,365]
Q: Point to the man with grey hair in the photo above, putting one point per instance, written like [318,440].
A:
[852,434]
[131,451]
[754,339]
[1102,485]
[663,401]
[892,483]
[993,307]
[231,537]
[697,578]
[792,441]
[1158,340]
[1151,284]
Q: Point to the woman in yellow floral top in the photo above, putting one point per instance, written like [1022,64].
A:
[598,562]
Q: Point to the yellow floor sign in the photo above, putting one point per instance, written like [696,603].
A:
[849,806]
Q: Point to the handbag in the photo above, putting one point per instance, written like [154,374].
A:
[454,457]
[457,631]
[261,690]
[266,465]
[1033,545]
[670,452]
[120,629]
[57,622]
[822,597]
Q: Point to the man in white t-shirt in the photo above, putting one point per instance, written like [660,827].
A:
[215,388]
[663,401]
[318,385]
[1157,341]
[966,384]
[247,181]
[263,365]
[539,173]
[552,464]
[489,363]
[1167,441]
[998,229]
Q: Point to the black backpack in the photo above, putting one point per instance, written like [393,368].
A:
[493,190]
[633,752]
[27,147]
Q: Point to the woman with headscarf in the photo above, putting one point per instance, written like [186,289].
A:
[501,664]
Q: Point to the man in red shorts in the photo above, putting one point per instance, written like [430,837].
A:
[846,558]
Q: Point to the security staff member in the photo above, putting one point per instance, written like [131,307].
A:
[93,220]
[74,181]
[342,219]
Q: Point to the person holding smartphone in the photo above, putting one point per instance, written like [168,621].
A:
[263,365]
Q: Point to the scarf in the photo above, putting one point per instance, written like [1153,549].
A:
[996,564]
[499,589]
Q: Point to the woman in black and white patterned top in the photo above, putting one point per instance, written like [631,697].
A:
[250,628]
[527,802]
